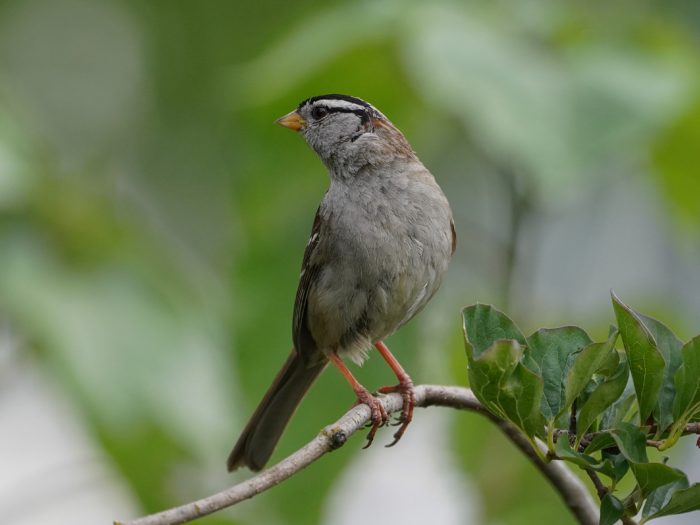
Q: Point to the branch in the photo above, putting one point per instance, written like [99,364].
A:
[690,428]
[570,488]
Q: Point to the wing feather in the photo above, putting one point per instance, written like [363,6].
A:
[303,341]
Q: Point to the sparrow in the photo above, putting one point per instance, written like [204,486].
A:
[380,244]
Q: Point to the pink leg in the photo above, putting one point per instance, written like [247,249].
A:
[405,388]
[379,416]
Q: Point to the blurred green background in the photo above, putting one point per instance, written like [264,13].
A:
[153,219]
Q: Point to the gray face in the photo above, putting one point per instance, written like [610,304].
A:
[338,127]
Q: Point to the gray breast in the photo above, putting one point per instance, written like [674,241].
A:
[382,253]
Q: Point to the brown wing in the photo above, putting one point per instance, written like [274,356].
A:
[454,236]
[301,336]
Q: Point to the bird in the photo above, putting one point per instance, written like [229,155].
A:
[380,244]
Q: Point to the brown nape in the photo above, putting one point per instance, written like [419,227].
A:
[379,123]
[393,136]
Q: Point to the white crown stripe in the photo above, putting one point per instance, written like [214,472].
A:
[341,104]
[344,104]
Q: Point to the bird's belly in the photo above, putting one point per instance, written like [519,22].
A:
[365,295]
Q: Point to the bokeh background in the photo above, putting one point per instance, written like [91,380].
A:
[153,219]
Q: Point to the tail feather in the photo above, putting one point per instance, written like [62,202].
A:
[260,436]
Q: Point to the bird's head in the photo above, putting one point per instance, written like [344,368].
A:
[346,131]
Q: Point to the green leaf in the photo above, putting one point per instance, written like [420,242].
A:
[587,363]
[619,410]
[685,500]
[611,363]
[631,441]
[687,381]
[602,397]
[670,348]
[645,361]
[660,497]
[564,451]
[601,441]
[553,349]
[619,464]
[506,387]
[522,405]
[651,476]
[484,325]
[585,461]
[611,510]
[488,372]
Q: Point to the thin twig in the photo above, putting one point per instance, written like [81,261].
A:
[570,488]
[572,422]
[602,491]
[600,488]
[574,493]
[690,428]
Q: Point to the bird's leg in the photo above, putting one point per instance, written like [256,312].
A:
[405,388]
[379,417]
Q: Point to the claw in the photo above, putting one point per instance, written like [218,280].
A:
[396,440]
[370,437]
[379,416]
[405,388]
[397,436]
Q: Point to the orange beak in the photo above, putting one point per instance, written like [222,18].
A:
[292,120]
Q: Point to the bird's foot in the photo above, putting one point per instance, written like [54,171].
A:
[405,388]
[378,417]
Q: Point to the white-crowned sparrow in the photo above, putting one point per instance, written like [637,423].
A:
[380,244]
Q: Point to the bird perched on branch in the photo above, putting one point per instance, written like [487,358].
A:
[380,244]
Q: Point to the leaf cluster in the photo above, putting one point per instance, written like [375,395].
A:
[596,406]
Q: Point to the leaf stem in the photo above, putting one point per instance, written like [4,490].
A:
[550,437]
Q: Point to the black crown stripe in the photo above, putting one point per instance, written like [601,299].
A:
[336,96]
[359,112]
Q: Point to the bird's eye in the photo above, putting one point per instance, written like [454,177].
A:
[319,112]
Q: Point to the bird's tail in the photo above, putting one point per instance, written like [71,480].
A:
[260,436]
